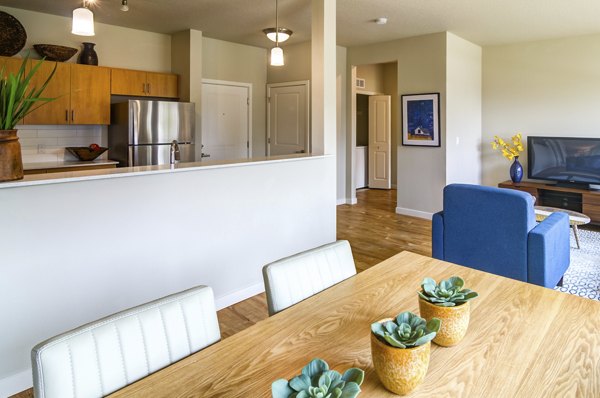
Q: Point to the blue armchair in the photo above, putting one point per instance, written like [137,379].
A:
[494,230]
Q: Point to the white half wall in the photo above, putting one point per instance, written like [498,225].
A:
[543,88]
[75,252]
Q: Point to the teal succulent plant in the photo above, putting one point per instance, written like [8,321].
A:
[406,331]
[448,293]
[318,381]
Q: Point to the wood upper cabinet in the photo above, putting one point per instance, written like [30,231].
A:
[82,94]
[128,82]
[10,65]
[144,84]
[90,94]
[162,85]
[57,111]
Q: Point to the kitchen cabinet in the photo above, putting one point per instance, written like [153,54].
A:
[90,94]
[10,65]
[82,95]
[57,111]
[144,84]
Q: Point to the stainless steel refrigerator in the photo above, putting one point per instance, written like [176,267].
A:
[141,132]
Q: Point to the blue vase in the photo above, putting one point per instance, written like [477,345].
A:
[516,171]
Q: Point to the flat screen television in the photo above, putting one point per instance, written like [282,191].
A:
[565,160]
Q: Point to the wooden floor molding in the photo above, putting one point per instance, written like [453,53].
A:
[375,233]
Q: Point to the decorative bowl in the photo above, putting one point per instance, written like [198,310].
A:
[12,35]
[55,53]
[84,153]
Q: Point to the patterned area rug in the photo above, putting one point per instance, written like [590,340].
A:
[583,276]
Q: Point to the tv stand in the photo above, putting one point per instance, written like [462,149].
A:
[579,186]
[570,198]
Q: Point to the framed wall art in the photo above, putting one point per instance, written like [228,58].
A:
[421,119]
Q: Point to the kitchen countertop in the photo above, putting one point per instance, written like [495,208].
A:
[65,164]
[74,176]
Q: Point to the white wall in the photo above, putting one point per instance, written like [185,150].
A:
[222,60]
[116,46]
[463,111]
[101,246]
[544,88]
[341,125]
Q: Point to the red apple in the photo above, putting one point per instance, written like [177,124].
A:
[95,147]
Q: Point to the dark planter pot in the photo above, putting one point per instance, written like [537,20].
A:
[11,164]
[516,171]
[88,55]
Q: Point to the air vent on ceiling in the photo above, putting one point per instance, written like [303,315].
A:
[360,83]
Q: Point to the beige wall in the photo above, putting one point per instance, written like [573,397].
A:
[549,88]
[421,171]
[374,77]
[222,60]
[116,46]
[297,64]
[463,111]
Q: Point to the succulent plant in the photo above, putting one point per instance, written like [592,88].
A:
[406,331]
[317,381]
[448,293]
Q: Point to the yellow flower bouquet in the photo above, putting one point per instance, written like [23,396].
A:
[509,151]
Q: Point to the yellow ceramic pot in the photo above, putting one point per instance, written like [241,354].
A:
[455,321]
[400,370]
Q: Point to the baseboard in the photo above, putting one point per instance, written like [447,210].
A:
[347,201]
[237,296]
[16,383]
[414,213]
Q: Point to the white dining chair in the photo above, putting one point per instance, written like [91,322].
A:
[295,278]
[101,357]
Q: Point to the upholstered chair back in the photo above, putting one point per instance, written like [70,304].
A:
[300,276]
[101,357]
[487,228]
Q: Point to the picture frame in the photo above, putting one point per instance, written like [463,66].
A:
[421,120]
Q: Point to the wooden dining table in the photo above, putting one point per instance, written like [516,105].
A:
[523,340]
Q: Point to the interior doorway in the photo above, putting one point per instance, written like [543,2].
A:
[375,119]
[226,120]
[288,121]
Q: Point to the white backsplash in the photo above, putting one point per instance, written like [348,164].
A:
[47,143]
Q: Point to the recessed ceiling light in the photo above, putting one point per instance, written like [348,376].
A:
[381,21]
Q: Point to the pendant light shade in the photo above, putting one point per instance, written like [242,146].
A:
[83,22]
[283,35]
[277,56]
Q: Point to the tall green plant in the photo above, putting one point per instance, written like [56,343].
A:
[17,97]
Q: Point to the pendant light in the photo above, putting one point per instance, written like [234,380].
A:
[83,21]
[276,52]
[284,34]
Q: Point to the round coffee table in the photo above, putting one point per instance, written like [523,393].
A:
[575,218]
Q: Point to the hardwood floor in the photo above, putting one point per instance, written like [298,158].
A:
[375,233]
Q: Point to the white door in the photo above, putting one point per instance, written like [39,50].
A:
[380,139]
[226,120]
[287,118]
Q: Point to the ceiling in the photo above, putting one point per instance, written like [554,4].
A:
[485,22]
